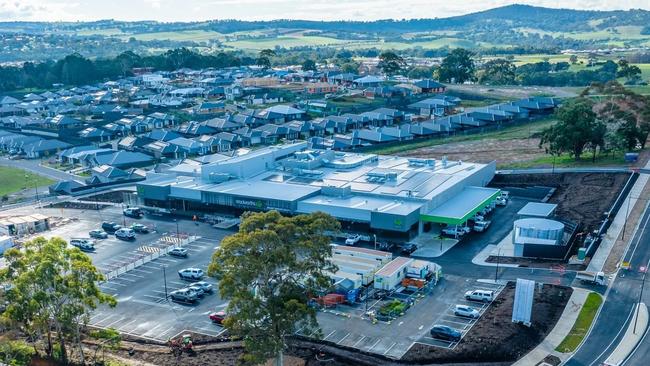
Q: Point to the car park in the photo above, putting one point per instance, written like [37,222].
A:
[190,274]
[125,234]
[445,333]
[217,317]
[183,295]
[178,252]
[466,311]
[479,295]
[352,239]
[139,228]
[86,245]
[205,286]
[133,212]
[110,227]
[98,234]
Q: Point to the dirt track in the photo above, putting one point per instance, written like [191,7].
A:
[484,151]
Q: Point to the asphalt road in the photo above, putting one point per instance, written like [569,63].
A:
[34,165]
[617,309]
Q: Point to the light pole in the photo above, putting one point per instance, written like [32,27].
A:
[627,213]
[165,279]
[638,305]
[375,235]
[178,235]
[496,272]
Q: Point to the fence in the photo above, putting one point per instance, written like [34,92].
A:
[594,241]
[140,259]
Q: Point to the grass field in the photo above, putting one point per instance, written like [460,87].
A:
[568,161]
[13,180]
[514,132]
[582,324]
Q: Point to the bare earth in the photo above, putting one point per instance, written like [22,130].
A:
[484,151]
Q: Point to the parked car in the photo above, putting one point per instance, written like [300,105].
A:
[139,228]
[183,295]
[217,317]
[178,252]
[110,227]
[501,201]
[453,231]
[134,212]
[205,286]
[190,274]
[386,246]
[98,234]
[480,295]
[466,311]
[444,332]
[86,245]
[352,239]
[408,248]
[125,234]
[478,217]
[197,290]
[481,226]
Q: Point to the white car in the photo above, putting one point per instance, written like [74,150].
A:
[206,287]
[481,226]
[125,234]
[480,295]
[86,245]
[352,239]
[466,311]
[453,231]
[501,201]
[190,274]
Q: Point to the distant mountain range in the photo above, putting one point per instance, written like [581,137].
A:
[521,26]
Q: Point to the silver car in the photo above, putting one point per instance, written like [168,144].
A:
[466,311]
[205,286]
[183,295]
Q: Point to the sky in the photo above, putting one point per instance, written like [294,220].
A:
[197,10]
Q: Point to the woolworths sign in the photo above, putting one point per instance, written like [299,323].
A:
[248,203]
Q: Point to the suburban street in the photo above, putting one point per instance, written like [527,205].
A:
[617,309]
[36,167]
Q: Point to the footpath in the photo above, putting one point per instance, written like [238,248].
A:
[560,331]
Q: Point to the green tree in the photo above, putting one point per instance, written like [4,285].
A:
[573,59]
[574,129]
[266,271]
[631,72]
[264,58]
[53,287]
[107,339]
[458,66]
[420,73]
[391,63]
[309,65]
[498,72]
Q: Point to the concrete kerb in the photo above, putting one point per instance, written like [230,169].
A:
[631,338]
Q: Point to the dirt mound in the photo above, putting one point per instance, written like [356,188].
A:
[495,338]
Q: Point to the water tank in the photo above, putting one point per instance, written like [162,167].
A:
[537,228]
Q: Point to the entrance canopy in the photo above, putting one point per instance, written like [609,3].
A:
[462,207]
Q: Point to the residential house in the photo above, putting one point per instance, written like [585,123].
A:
[430,86]
[320,88]
[44,148]
[96,134]
[122,159]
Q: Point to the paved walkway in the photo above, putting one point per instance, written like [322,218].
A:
[633,335]
[599,258]
[559,332]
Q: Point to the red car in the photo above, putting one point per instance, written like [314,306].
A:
[218,317]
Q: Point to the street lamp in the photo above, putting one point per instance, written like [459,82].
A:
[638,305]
[375,235]
[627,212]
[164,267]
[178,235]
[496,272]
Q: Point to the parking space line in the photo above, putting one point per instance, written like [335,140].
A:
[334,331]
[123,326]
[108,317]
[373,346]
[389,348]
[152,329]
[342,339]
[115,322]
[166,331]
[359,341]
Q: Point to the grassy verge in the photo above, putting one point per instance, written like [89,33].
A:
[582,324]
[567,161]
[13,180]
[520,131]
